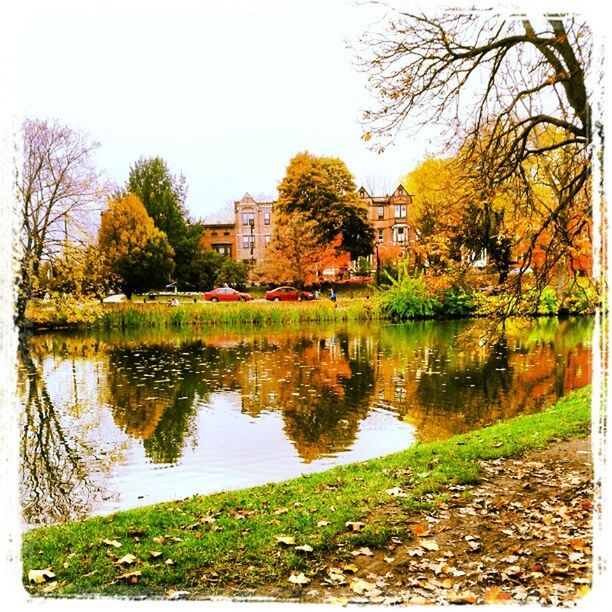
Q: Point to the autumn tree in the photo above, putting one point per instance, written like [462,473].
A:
[493,82]
[137,251]
[61,193]
[83,271]
[295,255]
[322,190]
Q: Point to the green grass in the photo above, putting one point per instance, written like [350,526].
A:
[228,540]
[158,315]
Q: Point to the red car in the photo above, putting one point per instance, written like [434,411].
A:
[286,294]
[226,294]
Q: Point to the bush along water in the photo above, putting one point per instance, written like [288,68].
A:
[408,298]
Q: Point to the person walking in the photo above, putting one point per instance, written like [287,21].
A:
[332,296]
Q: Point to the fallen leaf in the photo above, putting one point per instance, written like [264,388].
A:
[113,543]
[388,559]
[396,492]
[50,587]
[131,577]
[154,554]
[577,544]
[127,560]
[360,586]
[350,567]
[298,579]
[169,562]
[281,511]
[495,594]
[286,540]
[462,598]
[582,590]
[429,544]
[363,551]
[323,523]
[419,529]
[354,525]
[304,548]
[40,576]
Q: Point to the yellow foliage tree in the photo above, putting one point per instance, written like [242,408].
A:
[136,250]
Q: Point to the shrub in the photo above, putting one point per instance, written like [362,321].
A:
[408,298]
[458,302]
[548,303]
[581,298]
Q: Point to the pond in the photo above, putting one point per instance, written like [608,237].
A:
[115,420]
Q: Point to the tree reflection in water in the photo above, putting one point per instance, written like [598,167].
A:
[313,388]
[54,475]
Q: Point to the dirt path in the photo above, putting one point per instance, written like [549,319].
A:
[524,534]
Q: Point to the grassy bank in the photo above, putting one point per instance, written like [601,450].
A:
[140,315]
[207,543]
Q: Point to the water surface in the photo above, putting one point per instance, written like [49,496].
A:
[115,420]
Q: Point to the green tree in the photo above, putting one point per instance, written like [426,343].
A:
[322,190]
[137,251]
[162,194]
[209,269]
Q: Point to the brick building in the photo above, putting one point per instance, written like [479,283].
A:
[388,216]
[246,236]
[254,226]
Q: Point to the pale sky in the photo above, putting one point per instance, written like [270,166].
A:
[226,92]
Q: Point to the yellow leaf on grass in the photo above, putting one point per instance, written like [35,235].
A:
[350,567]
[127,559]
[40,576]
[323,523]
[112,543]
[281,511]
[396,492]
[286,540]
[304,548]
[355,525]
[363,551]
[154,554]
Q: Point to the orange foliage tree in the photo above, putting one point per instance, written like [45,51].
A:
[295,256]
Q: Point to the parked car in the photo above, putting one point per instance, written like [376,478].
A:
[286,294]
[226,294]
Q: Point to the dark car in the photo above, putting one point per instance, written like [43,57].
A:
[288,294]
[226,294]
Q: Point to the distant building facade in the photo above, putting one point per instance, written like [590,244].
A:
[254,225]
[247,235]
[388,215]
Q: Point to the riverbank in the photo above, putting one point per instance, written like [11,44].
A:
[92,314]
[320,532]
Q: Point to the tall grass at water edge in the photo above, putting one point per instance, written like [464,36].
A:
[159,315]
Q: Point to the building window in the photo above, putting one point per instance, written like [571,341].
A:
[247,241]
[266,218]
[226,233]
[400,211]
[399,234]
[223,249]
[213,233]
[381,235]
[381,212]
[247,217]
[267,239]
